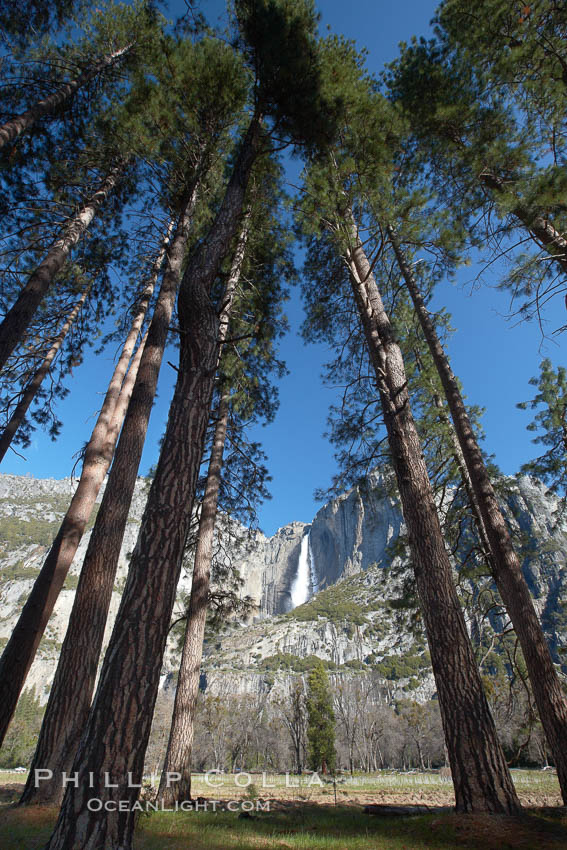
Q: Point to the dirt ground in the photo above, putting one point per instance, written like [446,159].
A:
[351,794]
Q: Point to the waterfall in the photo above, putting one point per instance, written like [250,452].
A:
[305,581]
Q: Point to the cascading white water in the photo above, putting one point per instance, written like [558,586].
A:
[300,584]
[305,581]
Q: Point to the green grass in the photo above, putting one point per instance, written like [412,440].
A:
[312,827]
[308,819]
[534,781]
[306,827]
[27,829]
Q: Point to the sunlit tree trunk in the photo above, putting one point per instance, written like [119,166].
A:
[19,316]
[481,777]
[73,686]
[69,697]
[21,648]
[118,728]
[180,744]
[513,588]
[52,105]
[32,387]
[466,479]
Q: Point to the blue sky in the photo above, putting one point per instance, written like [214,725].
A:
[494,357]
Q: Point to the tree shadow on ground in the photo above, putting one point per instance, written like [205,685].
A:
[309,827]
[329,828]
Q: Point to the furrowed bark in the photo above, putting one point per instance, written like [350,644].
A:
[462,467]
[22,646]
[117,731]
[180,744]
[74,681]
[57,101]
[466,479]
[19,316]
[481,777]
[508,575]
[32,387]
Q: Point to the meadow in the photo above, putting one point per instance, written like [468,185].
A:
[300,814]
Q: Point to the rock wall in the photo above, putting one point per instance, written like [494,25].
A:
[269,566]
[353,531]
[349,536]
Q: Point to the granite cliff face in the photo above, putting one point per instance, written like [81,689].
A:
[268,568]
[347,535]
[353,531]
[352,621]
[543,532]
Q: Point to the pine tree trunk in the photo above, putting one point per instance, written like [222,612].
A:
[19,316]
[74,681]
[118,728]
[180,743]
[466,479]
[462,467]
[10,131]
[32,387]
[512,586]
[73,684]
[21,648]
[481,777]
